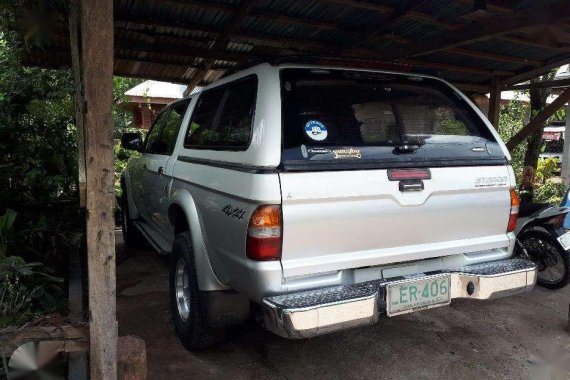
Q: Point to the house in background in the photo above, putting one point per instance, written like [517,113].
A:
[148,98]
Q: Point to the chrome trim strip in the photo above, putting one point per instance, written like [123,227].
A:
[311,313]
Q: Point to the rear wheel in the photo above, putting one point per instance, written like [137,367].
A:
[186,300]
[552,261]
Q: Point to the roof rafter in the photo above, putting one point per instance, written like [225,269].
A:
[221,42]
[557,83]
[530,74]
[555,12]
[315,45]
[474,53]
[364,38]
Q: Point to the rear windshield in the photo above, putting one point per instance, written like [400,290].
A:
[345,119]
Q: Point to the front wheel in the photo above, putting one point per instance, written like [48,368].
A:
[185,299]
[131,234]
[552,261]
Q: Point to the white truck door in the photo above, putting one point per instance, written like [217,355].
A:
[159,167]
[153,161]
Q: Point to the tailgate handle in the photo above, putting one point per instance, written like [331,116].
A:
[411,185]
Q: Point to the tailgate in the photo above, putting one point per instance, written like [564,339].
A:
[348,219]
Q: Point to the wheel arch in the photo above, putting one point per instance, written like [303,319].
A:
[183,216]
[126,186]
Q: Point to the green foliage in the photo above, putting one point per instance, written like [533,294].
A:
[546,169]
[551,192]
[513,116]
[38,154]
[27,289]
[6,223]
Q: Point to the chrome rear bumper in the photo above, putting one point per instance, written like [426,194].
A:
[320,311]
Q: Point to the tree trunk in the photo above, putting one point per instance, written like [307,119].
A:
[537,103]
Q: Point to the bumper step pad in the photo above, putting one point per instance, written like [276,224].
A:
[315,312]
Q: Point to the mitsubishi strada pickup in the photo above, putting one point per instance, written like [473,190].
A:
[322,198]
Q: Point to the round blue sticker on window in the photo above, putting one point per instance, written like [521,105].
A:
[316,130]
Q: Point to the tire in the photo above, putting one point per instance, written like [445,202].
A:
[131,235]
[186,299]
[541,245]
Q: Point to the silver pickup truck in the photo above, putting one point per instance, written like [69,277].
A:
[319,198]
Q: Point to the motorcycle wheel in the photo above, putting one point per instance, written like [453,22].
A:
[552,261]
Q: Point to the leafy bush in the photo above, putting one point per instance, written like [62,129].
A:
[6,223]
[552,192]
[546,169]
[27,290]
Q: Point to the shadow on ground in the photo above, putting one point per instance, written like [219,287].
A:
[513,338]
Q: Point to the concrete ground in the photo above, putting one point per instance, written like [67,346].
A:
[519,337]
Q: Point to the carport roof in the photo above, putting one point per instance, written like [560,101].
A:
[467,42]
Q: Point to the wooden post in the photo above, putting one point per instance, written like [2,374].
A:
[97,63]
[495,102]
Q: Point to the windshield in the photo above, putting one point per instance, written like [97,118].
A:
[345,115]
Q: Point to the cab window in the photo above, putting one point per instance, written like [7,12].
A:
[153,144]
[223,117]
[172,125]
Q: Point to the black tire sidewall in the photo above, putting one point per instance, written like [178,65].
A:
[565,255]
[194,333]
[131,235]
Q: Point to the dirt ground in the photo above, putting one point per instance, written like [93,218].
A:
[520,337]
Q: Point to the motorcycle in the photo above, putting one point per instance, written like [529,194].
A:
[542,238]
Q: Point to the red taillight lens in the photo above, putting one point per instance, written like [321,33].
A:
[264,234]
[515,202]
[402,174]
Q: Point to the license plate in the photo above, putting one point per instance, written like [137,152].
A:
[417,294]
[564,240]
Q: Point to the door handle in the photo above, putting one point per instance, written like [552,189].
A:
[160,170]
[411,185]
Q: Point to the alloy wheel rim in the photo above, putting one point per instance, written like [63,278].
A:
[182,290]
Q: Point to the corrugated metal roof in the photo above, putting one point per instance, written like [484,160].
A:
[170,40]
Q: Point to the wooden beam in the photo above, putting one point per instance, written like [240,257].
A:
[494,57]
[357,4]
[545,84]
[531,74]
[494,6]
[97,63]
[495,102]
[539,119]
[554,12]
[10,339]
[455,68]
[469,53]
[386,27]
[532,43]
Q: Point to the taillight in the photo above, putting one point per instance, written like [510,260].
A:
[515,202]
[264,234]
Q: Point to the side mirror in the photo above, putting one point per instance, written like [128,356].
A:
[132,141]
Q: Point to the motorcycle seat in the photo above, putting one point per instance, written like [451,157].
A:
[527,208]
